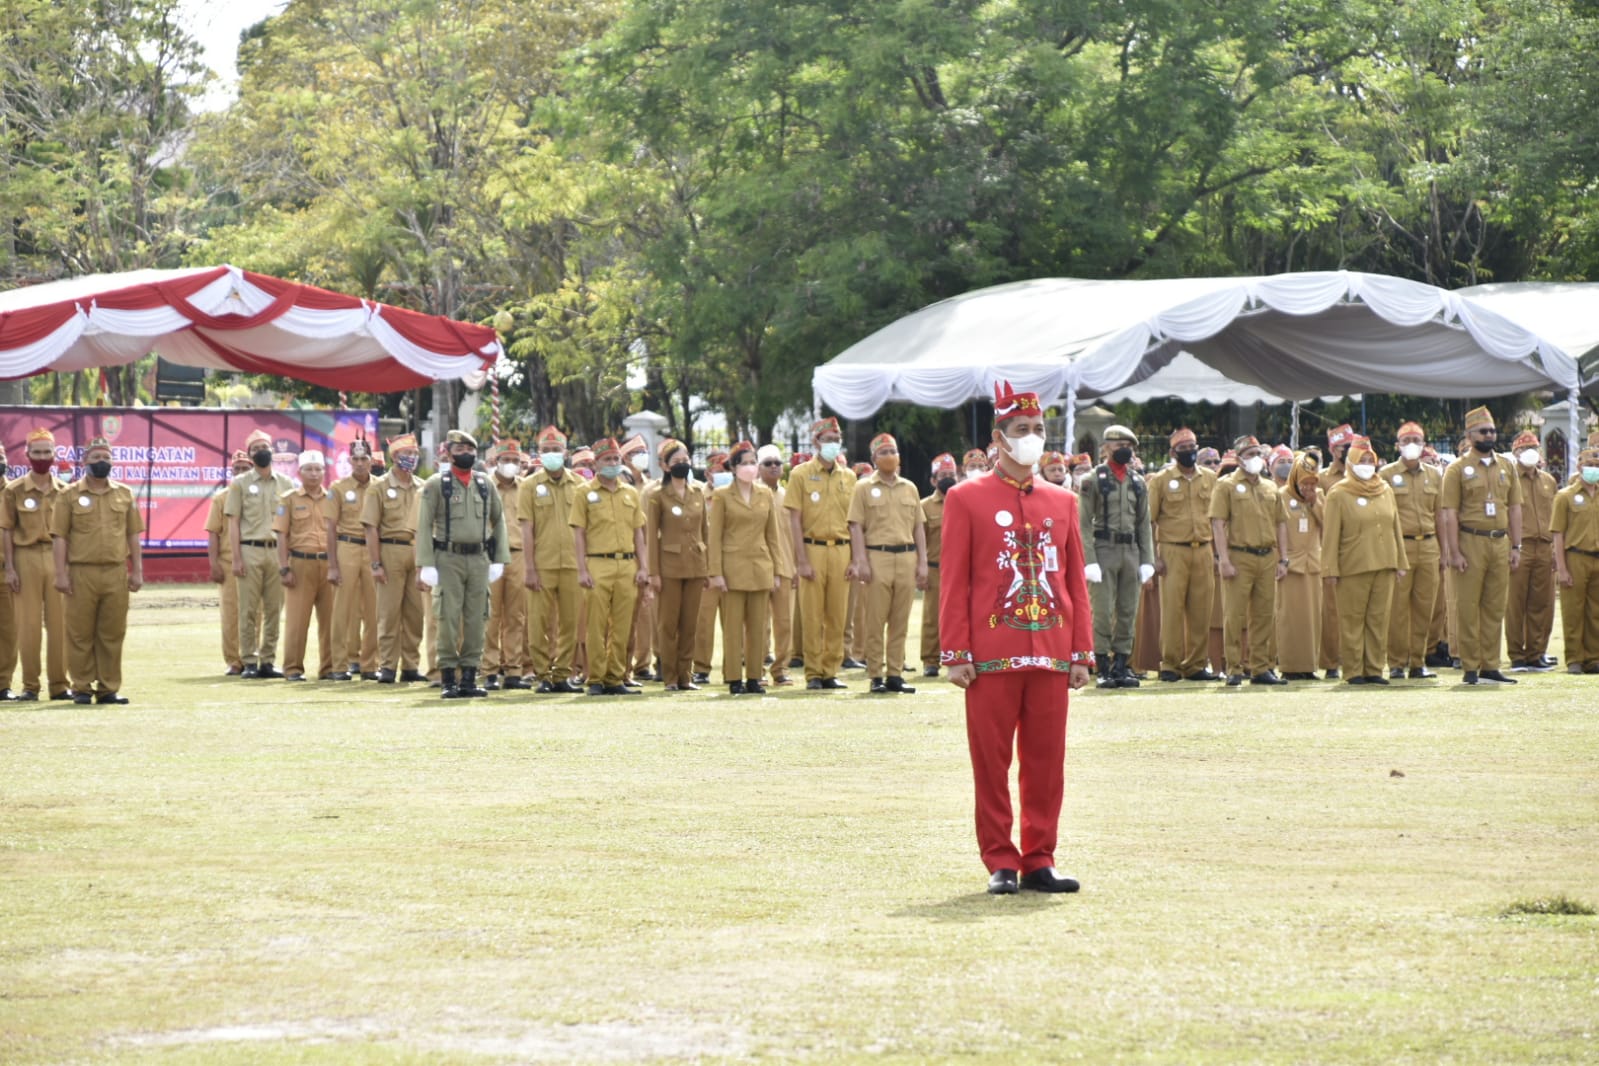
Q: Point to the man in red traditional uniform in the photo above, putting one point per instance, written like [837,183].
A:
[1017,633]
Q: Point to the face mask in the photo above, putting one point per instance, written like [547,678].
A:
[944,484]
[552,461]
[721,479]
[1025,451]
[261,457]
[975,471]
[611,472]
[1254,465]
[100,469]
[509,471]
[680,471]
[888,464]
[1483,446]
[829,452]
[1410,452]
[464,461]
[408,463]
[585,473]
[1364,470]
[1590,474]
[747,472]
[1122,456]
[1528,457]
[1185,458]
[41,466]
[641,462]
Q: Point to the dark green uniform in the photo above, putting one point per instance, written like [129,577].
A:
[461,529]
[1114,516]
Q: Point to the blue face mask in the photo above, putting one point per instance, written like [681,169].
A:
[408,463]
[829,451]
[611,472]
[553,461]
[721,479]
[1590,474]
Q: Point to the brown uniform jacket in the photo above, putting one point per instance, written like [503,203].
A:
[303,518]
[932,526]
[1416,495]
[744,537]
[888,514]
[545,500]
[1179,506]
[216,523]
[96,524]
[607,517]
[1361,534]
[253,500]
[1473,482]
[821,493]
[1537,502]
[25,509]
[1576,514]
[346,500]
[1250,511]
[1302,523]
[392,508]
[677,531]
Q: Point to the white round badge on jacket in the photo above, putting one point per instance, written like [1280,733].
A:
[594,497]
[394,494]
[349,495]
[30,503]
[877,492]
[1470,471]
[543,491]
[1361,502]
[255,489]
[1175,485]
[1003,518]
[816,497]
[1242,488]
[83,501]
[677,512]
[1399,479]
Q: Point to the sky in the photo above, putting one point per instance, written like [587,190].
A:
[217,25]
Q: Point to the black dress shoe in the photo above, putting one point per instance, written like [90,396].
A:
[250,670]
[1268,677]
[26,696]
[385,677]
[1469,678]
[82,697]
[852,664]
[598,690]
[337,675]
[65,694]
[375,675]
[544,688]
[1420,673]
[409,676]
[1397,673]
[621,690]
[796,663]
[700,679]
[513,681]
[1357,681]
[1518,664]
[294,677]
[491,682]
[688,686]
[1048,879]
[1331,675]
[469,684]
[266,671]
[1170,675]
[814,684]
[566,688]
[1495,675]
[736,688]
[930,671]
[1548,662]
[629,683]
[754,688]
[897,684]
[1202,675]
[1002,883]
[833,683]
[878,685]
[1376,679]
[110,697]
[1234,680]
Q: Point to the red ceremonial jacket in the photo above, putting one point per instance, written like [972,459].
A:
[1012,595]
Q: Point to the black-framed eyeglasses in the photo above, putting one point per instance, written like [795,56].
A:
[771,462]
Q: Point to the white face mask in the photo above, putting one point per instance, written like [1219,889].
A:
[1254,465]
[509,470]
[1025,451]
[1528,457]
[641,461]
[1364,471]
[1410,452]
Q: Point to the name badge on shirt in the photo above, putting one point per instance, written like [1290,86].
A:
[255,490]
[594,497]
[394,494]
[83,501]
[877,492]
[1578,500]
[1174,486]
[1362,502]
[349,495]
[542,491]
[677,512]
[1051,559]
[1399,479]
[816,497]
[30,503]
[1304,525]
[1242,488]
[1469,471]
[1490,508]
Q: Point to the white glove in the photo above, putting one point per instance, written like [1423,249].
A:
[430,576]
[1093,573]
[496,571]
[1145,572]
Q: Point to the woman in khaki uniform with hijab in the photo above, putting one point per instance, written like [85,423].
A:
[743,535]
[676,532]
[1363,552]
[1299,609]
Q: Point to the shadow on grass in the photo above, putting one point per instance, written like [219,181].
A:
[980,907]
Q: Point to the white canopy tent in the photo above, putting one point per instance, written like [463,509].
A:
[1563,312]
[1291,336]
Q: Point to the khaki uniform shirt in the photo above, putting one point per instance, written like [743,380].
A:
[253,500]
[1332,475]
[888,513]
[509,493]
[392,507]
[784,560]
[474,513]
[217,523]
[25,509]
[346,500]
[608,518]
[744,537]
[1576,514]
[1250,510]
[303,518]
[1302,524]
[1179,506]
[678,531]
[1362,534]
[1123,510]
[546,501]
[933,526]
[1537,502]
[96,523]
[1473,483]
[821,493]
[1416,494]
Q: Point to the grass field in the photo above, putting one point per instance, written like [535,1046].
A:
[230,871]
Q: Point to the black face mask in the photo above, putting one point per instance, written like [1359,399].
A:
[1185,458]
[100,469]
[261,458]
[1122,456]
[464,460]
[945,484]
[680,471]
[1484,446]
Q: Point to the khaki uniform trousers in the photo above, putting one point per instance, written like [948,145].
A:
[1218,623]
[1480,595]
[782,627]
[39,610]
[889,599]
[1415,596]
[461,609]
[1365,602]
[1330,637]
[610,614]
[553,615]
[678,616]
[311,595]
[1186,592]
[1115,598]
[505,641]
[931,652]
[1579,610]
[745,616]
[824,601]
[1146,632]
[400,608]
[355,611]
[229,593]
[8,634]
[97,622]
[260,606]
[705,631]
[1248,602]
[1530,604]
[1299,622]
[641,642]
[855,624]
[1442,629]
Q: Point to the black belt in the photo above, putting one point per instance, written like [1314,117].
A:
[308,555]
[351,540]
[1187,543]
[1584,551]
[896,549]
[1420,536]
[393,540]
[825,543]
[932,566]
[259,543]
[1250,551]
[457,549]
[1114,538]
[1494,533]
[611,555]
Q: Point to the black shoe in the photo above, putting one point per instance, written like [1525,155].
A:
[1420,673]
[1539,665]
[250,670]
[629,683]
[374,675]
[1202,675]
[448,689]
[1170,675]
[700,679]
[337,675]
[1358,681]
[688,686]
[796,663]
[1003,883]
[513,681]
[1495,675]
[25,696]
[410,676]
[735,688]
[754,688]
[1269,677]
[931,671]
[566,688]
[1235,680]
[1469,678]
[833,683]
[1434,658]
[1397,673]
[814,684]
[1048,879]
[267,670]
[110,697]
[544,688]
[897,684]
[1105,678]
[878,685]
[1122,673]
[1376,679]
[1299,677]
[385,677]
[621,690]
[852,664]
[598,690]
[1548,662]
[491,682]
[65,694]
[1518,664]
[469,686]
[82,697]
[294,677]
[1331,675]
[648,675]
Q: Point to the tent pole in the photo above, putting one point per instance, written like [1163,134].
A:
[1574,442]
[1293,428]
[1071,420]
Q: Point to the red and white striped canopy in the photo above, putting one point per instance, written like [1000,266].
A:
[230,319]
